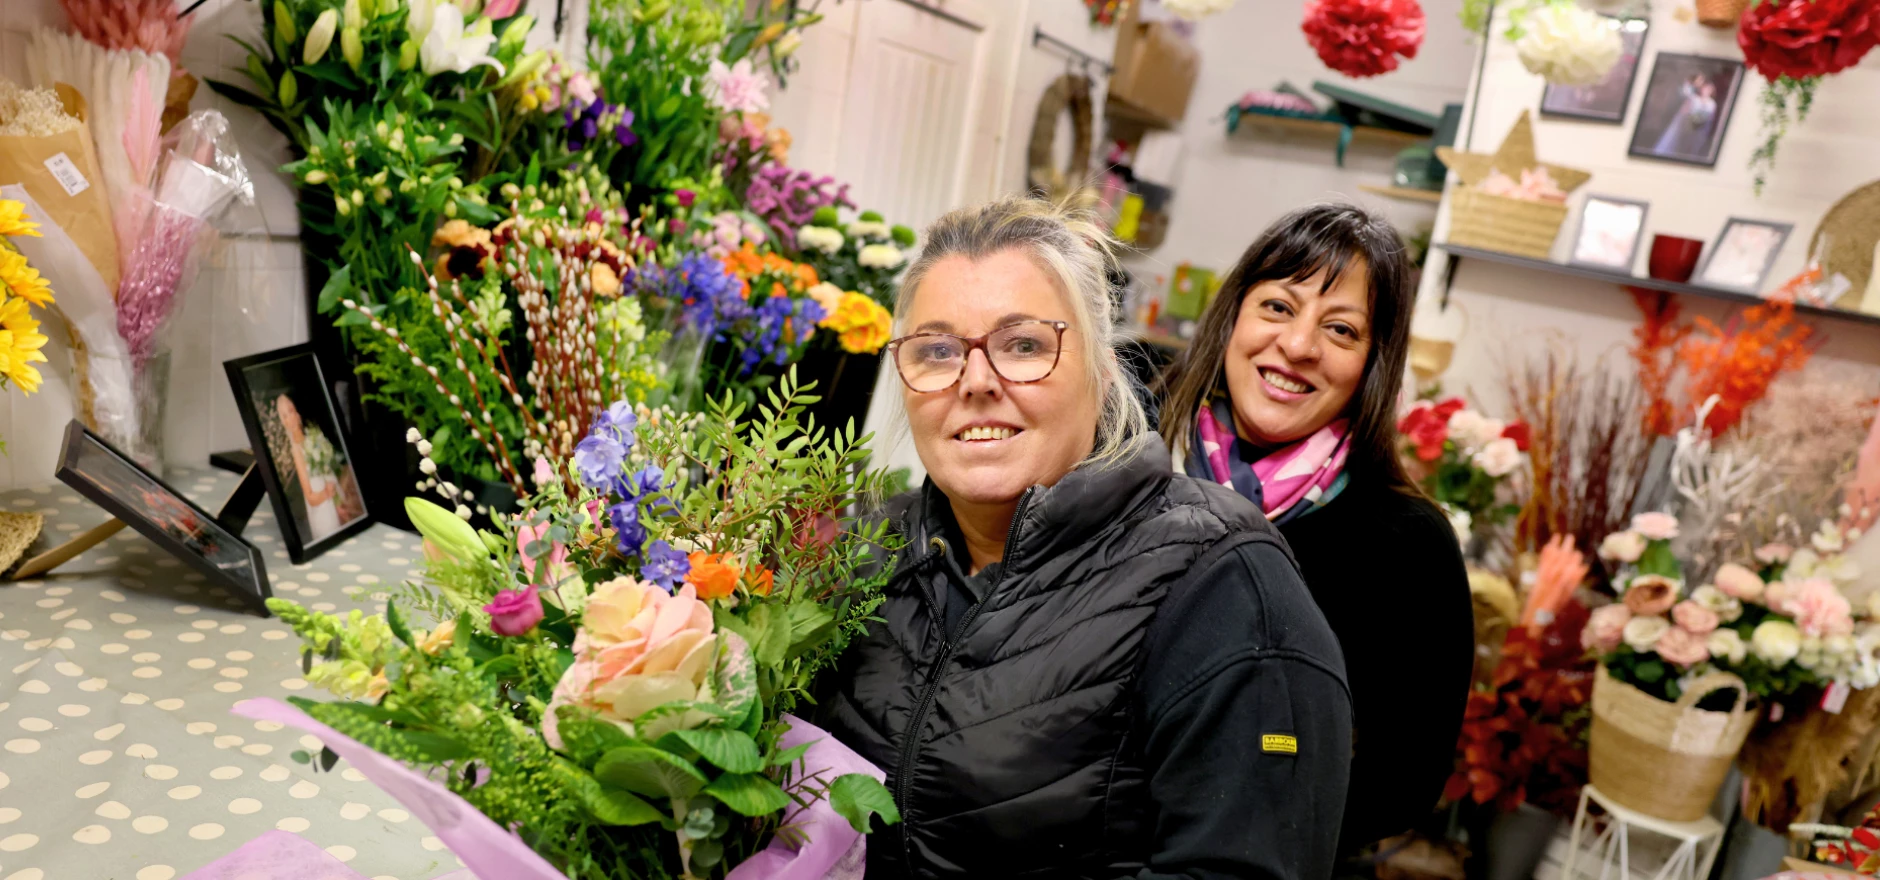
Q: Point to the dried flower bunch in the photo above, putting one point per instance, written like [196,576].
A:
[1588,450]
[32,112]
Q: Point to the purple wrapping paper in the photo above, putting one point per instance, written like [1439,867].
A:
[834,851]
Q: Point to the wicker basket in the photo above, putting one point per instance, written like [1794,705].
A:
[1665,759]
[1499,223]
[1720,13]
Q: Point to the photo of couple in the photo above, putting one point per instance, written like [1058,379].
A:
[299,446]
[1687,108]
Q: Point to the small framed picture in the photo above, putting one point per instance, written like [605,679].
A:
[299,448]
[1743,254]
[1610,229]
[125,490]
[1606,100]
[1687,108]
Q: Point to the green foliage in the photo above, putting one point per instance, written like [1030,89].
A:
[857,796]
[1785,102]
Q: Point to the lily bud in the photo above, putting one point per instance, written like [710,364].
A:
[284,22]
[516,33]
[526,67]
[407,55]
[316,177]
[787,45]
[482,28]
[320,38]
[354,16]
[289,90]
[352,48]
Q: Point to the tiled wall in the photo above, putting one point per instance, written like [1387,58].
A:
[247,298]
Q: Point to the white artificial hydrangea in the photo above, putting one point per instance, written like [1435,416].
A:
[1569,45]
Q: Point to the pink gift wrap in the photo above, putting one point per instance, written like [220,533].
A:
[835,850]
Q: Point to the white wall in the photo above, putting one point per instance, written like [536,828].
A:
[1508,310]
[248,300]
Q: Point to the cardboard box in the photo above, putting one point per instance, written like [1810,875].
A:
[1156,69]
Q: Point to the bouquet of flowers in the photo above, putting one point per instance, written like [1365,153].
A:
[1467,459]
[1783,627]
[865,255]
[20,285]
[322,458]
[611,674]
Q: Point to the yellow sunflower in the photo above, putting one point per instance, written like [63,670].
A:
[25,280]
[13,219]
[20,344]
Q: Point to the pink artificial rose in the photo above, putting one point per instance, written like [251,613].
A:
[1739,583]
[1818,607]
[1651,594]
[1625,547]
[1683,647]
[1695,618]
[1774,554]
[1656,526]
[558,568]
[515,613]
[1606,628]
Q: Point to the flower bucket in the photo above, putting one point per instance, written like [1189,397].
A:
[1720,13]
[1665,759]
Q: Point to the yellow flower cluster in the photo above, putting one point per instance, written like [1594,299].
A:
[862,324]
[20,285]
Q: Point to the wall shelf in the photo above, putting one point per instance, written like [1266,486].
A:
[1458,253]
[1342,134]
[1403,192]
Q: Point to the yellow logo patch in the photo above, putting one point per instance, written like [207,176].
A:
[1279,744]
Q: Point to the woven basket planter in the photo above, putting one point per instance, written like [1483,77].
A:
[1499,223]
[1720,13]
[1665,759]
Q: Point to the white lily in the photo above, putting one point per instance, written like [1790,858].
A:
[449,46]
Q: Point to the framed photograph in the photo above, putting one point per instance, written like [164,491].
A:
[1606,100]
[125,490]
[1687,108]
[1743,254]
[299,448]
[1610,229]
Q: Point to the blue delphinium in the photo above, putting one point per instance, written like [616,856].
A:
[665,565]
[627,526]
[598,459]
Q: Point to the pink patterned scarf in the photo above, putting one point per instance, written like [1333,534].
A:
[1288,482]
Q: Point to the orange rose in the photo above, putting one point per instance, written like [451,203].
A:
[762,580]
[713,575]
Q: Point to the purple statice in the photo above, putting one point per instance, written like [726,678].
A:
[665,565]
[788,198]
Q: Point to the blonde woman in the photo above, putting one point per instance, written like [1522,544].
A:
[1086,665]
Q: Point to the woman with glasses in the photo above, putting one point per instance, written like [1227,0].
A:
[1288,394]
[1086,665]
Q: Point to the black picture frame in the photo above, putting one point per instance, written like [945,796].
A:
[295,374]
[1764,262]
[1607,100]
[168,518]
[1665,105]
[1575,252]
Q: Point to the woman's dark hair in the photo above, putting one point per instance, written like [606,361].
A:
[1332,238]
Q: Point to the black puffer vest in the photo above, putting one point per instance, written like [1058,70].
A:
[1008,743]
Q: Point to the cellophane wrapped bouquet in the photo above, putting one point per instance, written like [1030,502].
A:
[611,677]
[1782,625]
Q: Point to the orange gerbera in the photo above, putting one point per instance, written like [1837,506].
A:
[713,575]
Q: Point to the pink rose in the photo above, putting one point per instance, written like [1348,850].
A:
[514,613]
[1625,547]
[1651,594]
[1606,628]
[558,568]
[1818,607]
[1656,526]
[638,648]
[1739,582]
[1694,617]
[1683,647]
[1774,554]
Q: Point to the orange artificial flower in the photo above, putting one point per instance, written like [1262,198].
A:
[712,575]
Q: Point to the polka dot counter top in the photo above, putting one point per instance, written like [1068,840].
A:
[118,756]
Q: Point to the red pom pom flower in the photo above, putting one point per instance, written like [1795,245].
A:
[1362,38]
[1807,38]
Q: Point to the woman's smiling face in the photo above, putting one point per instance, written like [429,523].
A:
[1298,355]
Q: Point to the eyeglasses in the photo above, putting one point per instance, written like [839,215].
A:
[1022,353]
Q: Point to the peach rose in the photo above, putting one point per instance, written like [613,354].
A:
[1774,554]
[1699,620]
[638,648]
[1818,607]
[714,574]
[1683,647]
[1738,582]
[1642,633]
[1651,594]
[1624,547]
[1606,628]
[1656,526]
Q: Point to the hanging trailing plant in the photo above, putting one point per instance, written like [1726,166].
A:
[1785,102]
[1793,44]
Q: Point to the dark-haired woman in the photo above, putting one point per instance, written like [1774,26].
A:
[1288,394]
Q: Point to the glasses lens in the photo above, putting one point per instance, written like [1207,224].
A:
[1024,352]
[930,362]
